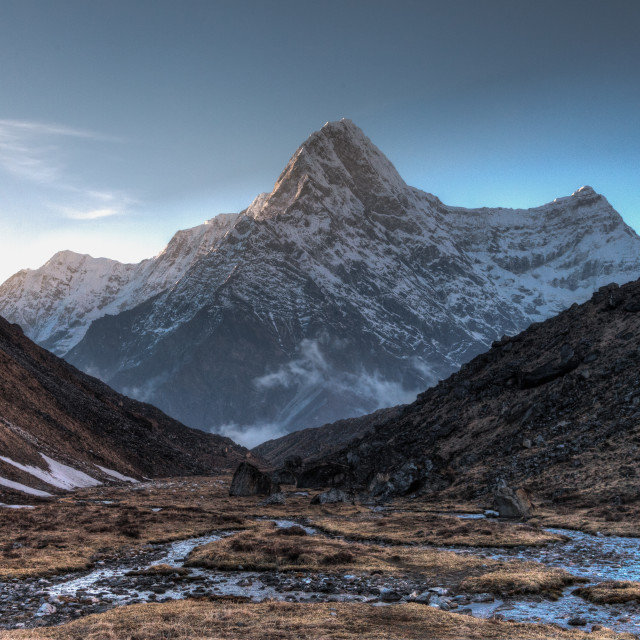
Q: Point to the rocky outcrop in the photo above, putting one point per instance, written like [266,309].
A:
[250,481]
[323,475]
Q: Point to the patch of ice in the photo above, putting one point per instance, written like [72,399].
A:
[10,484]
[115,474]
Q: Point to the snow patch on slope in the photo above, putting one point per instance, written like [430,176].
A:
[17,486]
[116,474]
[59,475]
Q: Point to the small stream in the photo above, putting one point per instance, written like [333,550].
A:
[60,599]
[594,557]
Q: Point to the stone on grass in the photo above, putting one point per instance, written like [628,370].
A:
[250,481]
[512,503]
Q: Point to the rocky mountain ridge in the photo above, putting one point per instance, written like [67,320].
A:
[56,303]
[344,290]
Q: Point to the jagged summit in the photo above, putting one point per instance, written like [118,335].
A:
[585,191]
[337,166]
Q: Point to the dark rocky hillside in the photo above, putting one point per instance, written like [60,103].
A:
[555,409]
[309,444]
[49,408]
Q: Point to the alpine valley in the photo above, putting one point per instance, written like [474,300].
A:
[342,291]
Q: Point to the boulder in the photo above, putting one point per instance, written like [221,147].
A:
[512,503]
[389,595]
[250,481]
[333,496]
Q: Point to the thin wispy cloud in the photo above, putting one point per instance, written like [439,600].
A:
[95,205]
[35,152]
[44,128]
[92,214]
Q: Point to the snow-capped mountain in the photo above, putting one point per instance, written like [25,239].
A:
[56,303]
[344,290]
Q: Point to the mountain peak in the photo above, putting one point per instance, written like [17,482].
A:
[338,155]
[586,192]
[340,127]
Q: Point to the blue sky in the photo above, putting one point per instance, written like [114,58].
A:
[121,122]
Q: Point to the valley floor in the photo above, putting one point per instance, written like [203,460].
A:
[179,558]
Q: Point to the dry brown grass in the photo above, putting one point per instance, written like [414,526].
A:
[75,530]
[529,578]
[266,549]
[71,532]
[620,520]
[436,529]
[614,592]
[195,620]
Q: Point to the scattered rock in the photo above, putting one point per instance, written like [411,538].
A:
[483,597]
[333,496]
[274,498]
[423,598]
[46,609]
[389,595]
[577,621]
[440,602]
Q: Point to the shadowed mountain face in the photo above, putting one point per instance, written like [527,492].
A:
[306,445]
[556,408]
[344,290]
[61,429]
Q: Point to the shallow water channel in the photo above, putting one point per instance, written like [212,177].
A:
[596,558]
